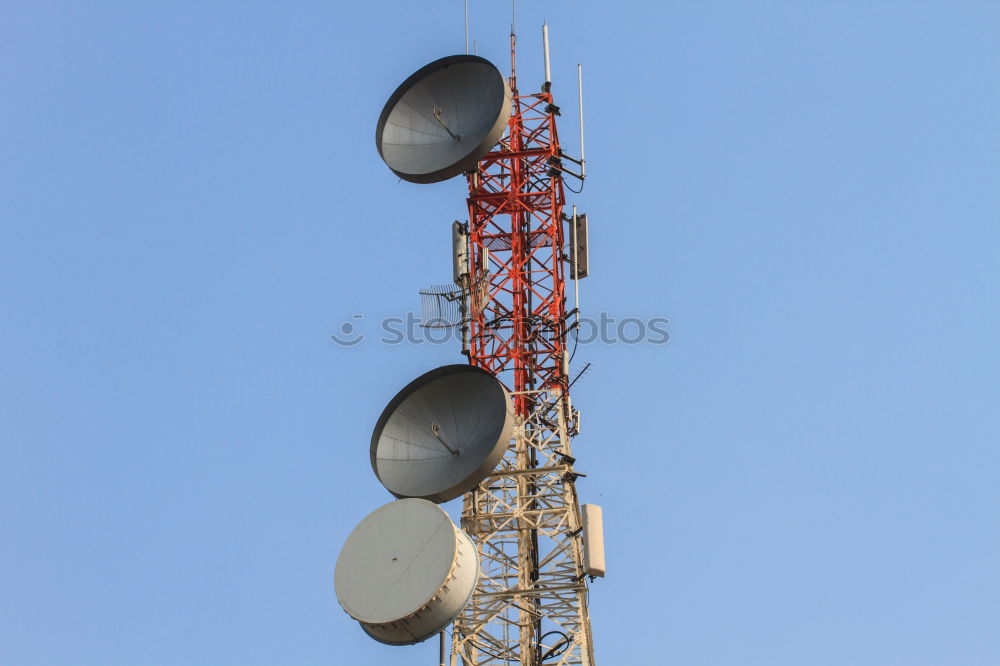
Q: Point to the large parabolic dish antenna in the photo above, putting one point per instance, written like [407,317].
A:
[442,434]
[443,119]
[406,572]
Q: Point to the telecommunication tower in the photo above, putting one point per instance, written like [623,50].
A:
[499,429]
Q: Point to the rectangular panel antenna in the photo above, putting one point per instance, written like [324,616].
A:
[593,540]
[580,259]
[460,252]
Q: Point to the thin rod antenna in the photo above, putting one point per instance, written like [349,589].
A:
[441,650]
[579,87]
[513,16]
[513,62]
[466,27]
[545,44]
[475,47]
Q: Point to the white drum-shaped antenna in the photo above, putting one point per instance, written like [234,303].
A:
[443,119]
[442,434]
[406,572]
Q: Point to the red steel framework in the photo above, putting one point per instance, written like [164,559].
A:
[530,606]
[517,313]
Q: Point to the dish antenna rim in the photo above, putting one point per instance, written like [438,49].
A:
[471,158]
[477,475]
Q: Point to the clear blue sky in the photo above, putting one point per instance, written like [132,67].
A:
[191,203]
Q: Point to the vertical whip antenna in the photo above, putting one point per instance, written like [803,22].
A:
[545,48]
[579,87]
[466,27]
[513,62]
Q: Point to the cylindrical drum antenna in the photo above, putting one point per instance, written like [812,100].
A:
[406,572]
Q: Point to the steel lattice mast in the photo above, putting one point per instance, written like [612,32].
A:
[530,606]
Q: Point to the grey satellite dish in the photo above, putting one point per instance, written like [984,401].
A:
[442,434]
[406,572]
[443,119]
